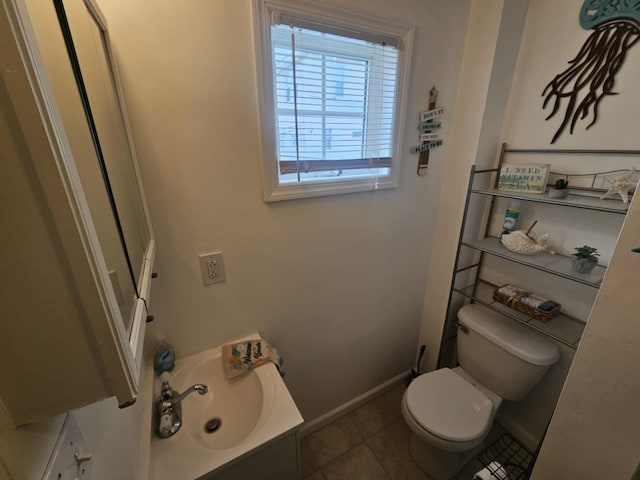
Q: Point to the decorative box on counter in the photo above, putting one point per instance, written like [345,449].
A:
[526,302]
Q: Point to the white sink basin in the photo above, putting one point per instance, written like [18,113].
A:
[237,403]
[254,409]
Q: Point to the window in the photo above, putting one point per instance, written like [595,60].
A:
[330,99]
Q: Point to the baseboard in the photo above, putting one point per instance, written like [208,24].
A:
[323,420]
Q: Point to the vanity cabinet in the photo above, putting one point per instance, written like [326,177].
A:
[279,459]
[76,245]
[483,263]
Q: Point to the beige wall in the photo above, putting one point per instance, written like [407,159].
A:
[335,283]
[551,38]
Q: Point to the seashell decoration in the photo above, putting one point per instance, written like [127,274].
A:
[519,242]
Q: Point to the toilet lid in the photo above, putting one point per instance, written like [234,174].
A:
[448,406]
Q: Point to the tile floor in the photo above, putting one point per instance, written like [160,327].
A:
[370,443]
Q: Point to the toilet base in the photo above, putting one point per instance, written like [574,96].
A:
[439,464]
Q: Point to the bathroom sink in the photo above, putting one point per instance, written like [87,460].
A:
[245,413]
[235,405]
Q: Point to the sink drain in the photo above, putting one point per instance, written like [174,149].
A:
[212,425]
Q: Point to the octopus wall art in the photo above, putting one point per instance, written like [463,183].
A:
[591,75]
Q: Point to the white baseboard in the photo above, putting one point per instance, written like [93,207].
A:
[323,420]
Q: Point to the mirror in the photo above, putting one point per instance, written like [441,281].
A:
[85,82]
[85,32]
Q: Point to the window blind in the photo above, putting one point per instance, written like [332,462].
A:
[335,97]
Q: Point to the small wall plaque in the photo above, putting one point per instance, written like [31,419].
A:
[433,113]
[426,146]
[525,177]
[428,137]
[424,126]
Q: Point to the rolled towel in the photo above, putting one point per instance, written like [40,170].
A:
[533,301]
[512,290]
[242,357]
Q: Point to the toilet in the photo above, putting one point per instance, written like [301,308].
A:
[450,411]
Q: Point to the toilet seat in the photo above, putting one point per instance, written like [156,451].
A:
[448,407]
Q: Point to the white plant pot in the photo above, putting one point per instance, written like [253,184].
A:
[582,265]
[558,194]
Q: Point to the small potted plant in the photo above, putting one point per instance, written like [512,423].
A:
[585,259]
[559,190]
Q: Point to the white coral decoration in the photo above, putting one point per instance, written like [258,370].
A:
[621,186]
[519,242]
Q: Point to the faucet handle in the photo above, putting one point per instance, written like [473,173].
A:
[168,424]
[166,393]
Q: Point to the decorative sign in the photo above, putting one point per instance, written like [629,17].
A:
[525,177]
[425,126]
[429,114]
[428,137]
[426,146]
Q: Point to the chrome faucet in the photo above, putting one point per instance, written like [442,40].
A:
[170,407]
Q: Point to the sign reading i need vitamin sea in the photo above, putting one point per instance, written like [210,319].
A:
[525,178]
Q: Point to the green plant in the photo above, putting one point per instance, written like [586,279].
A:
[561,184]
[587,252]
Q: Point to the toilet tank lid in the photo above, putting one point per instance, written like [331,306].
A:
[509,335]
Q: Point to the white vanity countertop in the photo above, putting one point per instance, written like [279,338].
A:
[182,456]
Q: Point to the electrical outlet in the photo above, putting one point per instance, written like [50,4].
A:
[212,267]
[70,459]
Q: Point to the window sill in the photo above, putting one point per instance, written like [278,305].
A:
[321,189]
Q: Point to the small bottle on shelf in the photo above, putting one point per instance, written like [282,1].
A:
[511,217]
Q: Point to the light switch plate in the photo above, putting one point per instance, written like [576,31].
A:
[70,459]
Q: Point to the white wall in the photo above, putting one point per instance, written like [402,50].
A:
[335,283]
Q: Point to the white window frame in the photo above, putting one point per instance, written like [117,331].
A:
[263,12]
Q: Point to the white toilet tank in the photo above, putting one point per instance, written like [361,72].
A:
[503,355]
